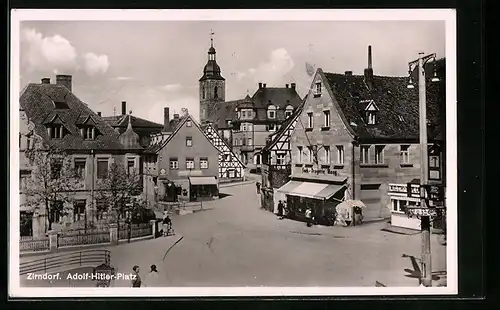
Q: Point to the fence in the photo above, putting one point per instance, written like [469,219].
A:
[82,258]
[83,239]
[136,231]
[28,243]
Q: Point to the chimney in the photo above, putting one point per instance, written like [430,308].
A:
[99,114]
[369,70]
[293,86]
[124,107]
[260,85]
[286,85]
[264,85]
[348,73]
[64,80]
[176,116]
[166,119]
[46,81]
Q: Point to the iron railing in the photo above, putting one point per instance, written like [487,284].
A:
[80,239]
[33,244]
[82,258]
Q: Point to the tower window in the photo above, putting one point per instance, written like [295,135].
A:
[203,92]
[216,94]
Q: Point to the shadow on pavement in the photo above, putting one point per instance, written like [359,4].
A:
[416,273]
[224,195]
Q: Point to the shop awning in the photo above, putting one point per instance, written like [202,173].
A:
[310,189]
[203,181]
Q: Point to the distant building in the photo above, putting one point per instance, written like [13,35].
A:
[231,168]
[212,87]
[54,115]
[142,127]
[181,164]
[366,128]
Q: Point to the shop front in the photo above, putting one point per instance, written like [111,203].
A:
[322,198]
[398,194]
[203,188]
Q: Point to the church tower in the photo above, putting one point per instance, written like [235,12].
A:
[212,87]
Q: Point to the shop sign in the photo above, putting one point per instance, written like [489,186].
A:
[434,192]
[412,190]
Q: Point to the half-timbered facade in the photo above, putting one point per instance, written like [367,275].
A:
[276,162]
[231,168]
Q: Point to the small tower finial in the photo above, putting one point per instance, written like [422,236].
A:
[212,33]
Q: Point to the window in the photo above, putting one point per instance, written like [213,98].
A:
[244,127]
[189,123]
[228,123]
[400,205]
[317,91]
[79,210]
[203,92]
[216,92]
[56,132]
[249,127]
[280,159]
[56,167]
[189,141]
[340,154]
[174,163]
[203,163]
[189,163]
[434,167]
[405,154]
[271,127]
[310,120]
[326,117]
[310,154]
[56,210]
[327,154]
[299,154]
[243,141]
[257,159]
[88,133]
[288,111]
[379,154]
[365,154]
[130,166]
[371,118]
[80,167]
[271,112]
[250,141]
[102,168]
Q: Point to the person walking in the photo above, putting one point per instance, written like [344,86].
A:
[280,210]
[136,278]
[308,217]
[258,187]
[152,277]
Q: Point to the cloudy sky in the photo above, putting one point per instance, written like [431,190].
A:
[156,64]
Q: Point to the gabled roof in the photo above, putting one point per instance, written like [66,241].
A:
[154,148]
[37,102]
[398,114]
[226,111]
[205,128]
[121,121]
[284,127]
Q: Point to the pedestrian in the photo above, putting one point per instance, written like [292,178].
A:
[308,217]
[258,187]
[280,210]
[136,278]
[152,277]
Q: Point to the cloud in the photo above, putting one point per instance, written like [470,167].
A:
[55,53]
[171,87]
[95,64]
[275,71]
[123,78]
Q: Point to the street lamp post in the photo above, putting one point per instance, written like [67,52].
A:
[425,218]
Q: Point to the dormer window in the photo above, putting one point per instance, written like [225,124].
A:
[271,112]
[88,132]
[60,105]
[56,131]
[371,118]
[288,111]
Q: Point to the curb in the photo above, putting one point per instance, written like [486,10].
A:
[236,184]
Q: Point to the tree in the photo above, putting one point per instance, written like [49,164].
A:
[118,191]
[52,182]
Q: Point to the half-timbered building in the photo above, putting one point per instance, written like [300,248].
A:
[276,162]
[231,169]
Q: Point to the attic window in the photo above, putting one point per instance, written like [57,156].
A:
[60,105]
[271,112]
[371,118]
[288,111]
[56,131]
[317,90]
[88,132]
[189,123]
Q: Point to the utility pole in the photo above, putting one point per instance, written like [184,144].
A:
[426,272]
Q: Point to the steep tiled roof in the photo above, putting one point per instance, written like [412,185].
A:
[226,111]
[398,115]
[277,96]
[175,125]
[121,121]
[37,101]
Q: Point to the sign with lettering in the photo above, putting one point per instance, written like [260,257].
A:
[412,190]
[434,192]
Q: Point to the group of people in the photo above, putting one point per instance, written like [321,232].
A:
[284,211]
[151,279]
[167,224]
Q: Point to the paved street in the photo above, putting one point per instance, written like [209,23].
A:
[235,243]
